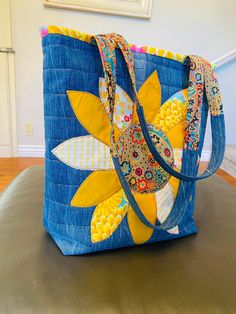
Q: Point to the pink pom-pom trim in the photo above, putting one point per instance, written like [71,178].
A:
[43,31]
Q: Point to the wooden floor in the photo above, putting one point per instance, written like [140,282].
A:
[11,167]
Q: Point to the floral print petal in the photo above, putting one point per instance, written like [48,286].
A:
[123,105]
[172,112]
[107,216]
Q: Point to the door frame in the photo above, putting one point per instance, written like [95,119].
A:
[6,42]
[12,103]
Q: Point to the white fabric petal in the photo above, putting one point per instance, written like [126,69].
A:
[174,230]
[84,153]
[178,155]
[123,105]
[165,202]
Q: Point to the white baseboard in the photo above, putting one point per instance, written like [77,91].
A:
[229,167]
[206,155]
[5,151]
[31,150]
[39,151]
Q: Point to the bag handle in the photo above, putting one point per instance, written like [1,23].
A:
[217,155]
[176,214]
[106,46]
[199,69]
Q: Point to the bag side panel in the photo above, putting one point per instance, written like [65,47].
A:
[71,64]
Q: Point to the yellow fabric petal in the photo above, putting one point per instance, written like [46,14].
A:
[174,183]
[107,216]
[140,232]
[98,186]
[172,112]
[90,111]
[176,135]
[149,96]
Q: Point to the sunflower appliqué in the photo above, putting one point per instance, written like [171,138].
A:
[153,189]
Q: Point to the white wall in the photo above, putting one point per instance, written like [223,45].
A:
[227,80]
[200,27]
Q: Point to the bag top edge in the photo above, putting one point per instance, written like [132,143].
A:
[60,30]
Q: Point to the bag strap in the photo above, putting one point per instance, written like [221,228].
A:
[200,70]
[106,46]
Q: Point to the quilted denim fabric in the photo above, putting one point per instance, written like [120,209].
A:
[71,64]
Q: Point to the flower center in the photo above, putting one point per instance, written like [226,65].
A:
[142,172]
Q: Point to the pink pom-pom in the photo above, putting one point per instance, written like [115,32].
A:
[43,31]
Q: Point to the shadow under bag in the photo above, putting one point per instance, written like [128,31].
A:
[124,131]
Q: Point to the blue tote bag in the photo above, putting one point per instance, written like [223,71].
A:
[124,131]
